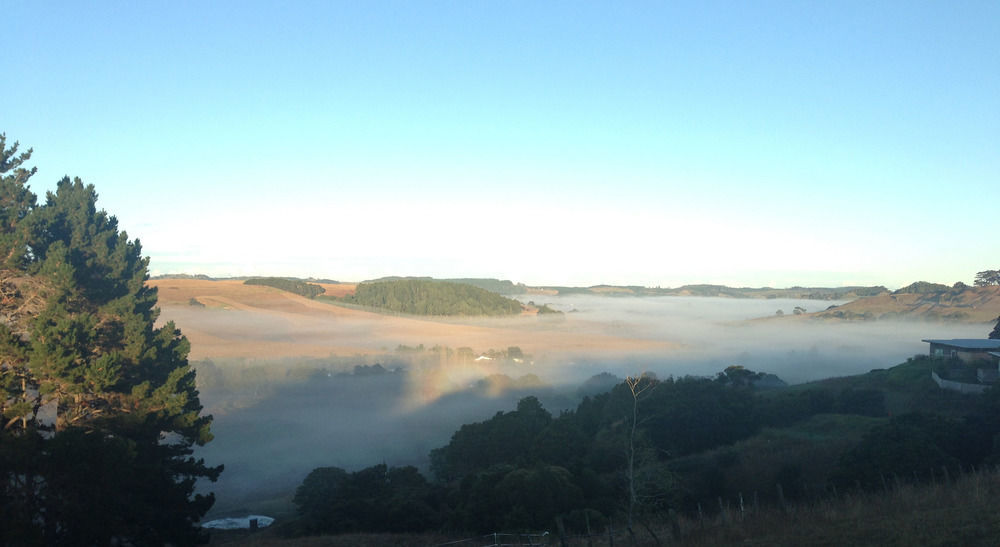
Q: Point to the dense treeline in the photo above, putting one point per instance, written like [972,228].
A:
[426,297]
[98,404]
[521,469]
[297,286]
[693,442]
[499,286]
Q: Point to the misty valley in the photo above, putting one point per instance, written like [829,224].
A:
[455,274]
[719,371]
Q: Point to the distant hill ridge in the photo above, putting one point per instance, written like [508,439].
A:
[925,301]
[431,297]
[708,290]
[921,300]
[508,287]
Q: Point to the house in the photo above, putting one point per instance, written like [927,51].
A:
[969,350]
[982,353]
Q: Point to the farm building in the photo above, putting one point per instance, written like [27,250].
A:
[967,349]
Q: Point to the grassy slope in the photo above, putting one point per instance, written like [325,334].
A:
[972,304]
[908,388]
[959,513]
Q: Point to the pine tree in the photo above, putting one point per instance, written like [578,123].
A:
[99,408]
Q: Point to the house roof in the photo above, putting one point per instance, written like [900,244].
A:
[969,343]
[995,353]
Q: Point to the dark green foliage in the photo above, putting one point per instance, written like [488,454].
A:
[862,402]
[499,286]
[425,297]
[590,444]
[99,406]
[505,497]
[907,445]
[376,499]
[995,333]
[544,309]
[922,287]
[506,438]
[692,414]
[297,286]
[16,201]
[534,496]
[699,439]
[987,278]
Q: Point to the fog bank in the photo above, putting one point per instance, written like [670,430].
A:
[270,438]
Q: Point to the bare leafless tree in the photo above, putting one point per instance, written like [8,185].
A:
[637,385]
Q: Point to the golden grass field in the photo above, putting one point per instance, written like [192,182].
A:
[251,321]
[974,305]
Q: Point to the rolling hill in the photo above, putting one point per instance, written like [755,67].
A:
[227,318]
[923,301]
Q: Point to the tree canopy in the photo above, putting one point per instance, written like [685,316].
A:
[987,278]
[297,286]
[99,408]
[426,297]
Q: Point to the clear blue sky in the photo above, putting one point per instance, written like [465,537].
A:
[661,143]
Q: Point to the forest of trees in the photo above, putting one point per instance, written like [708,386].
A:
[522,469]
[987,278]
[426,297]
[297,286]
[98,404]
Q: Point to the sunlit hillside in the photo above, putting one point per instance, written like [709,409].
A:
[230,319]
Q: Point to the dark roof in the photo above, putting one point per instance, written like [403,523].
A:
[968,343]
[995,353]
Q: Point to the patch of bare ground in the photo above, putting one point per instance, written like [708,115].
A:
[538,290]
[229,319]
[338,290]
[612,290]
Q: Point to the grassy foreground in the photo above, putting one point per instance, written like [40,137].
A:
[964,511]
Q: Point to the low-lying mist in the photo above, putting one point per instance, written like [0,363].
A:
[277,420]
[717,332]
